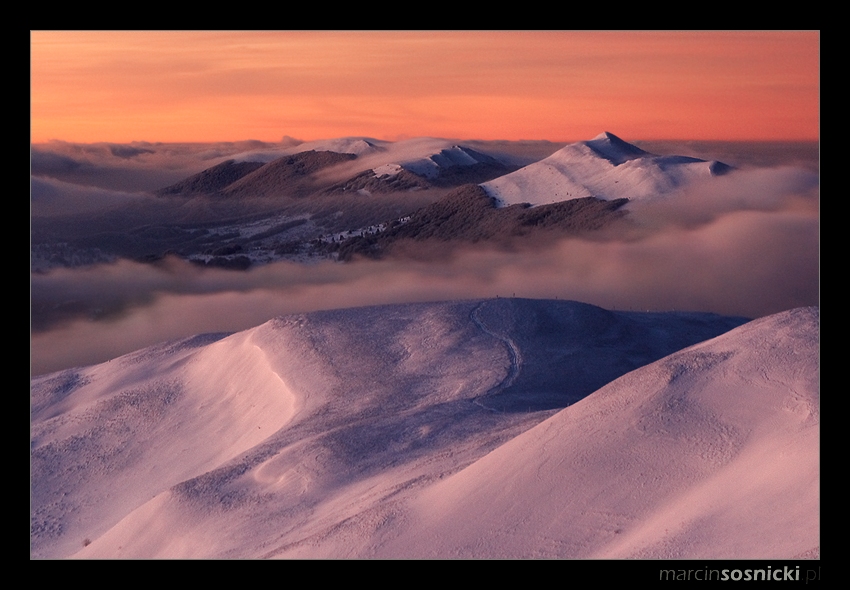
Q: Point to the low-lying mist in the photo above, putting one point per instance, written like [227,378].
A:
[745,262]
[746,245]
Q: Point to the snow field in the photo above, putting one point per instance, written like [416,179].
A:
[390,431]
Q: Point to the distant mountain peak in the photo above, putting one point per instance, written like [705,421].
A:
[607,135]
[605,167]
[612,148]
[451,158]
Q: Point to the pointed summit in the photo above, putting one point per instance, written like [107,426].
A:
[612,148]
[605,167]
[607,135]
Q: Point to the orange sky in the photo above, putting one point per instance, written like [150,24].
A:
[171,86]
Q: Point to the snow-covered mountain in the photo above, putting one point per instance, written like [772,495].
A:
[433,165]
[313,195]
[605,167]
[386,167]
[422,164]
[358,146]
[302,438]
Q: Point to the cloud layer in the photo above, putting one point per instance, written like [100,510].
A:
[750,247]
[746,244]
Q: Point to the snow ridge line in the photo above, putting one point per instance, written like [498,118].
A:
[514,354]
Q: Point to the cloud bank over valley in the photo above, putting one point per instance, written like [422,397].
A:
[746,244]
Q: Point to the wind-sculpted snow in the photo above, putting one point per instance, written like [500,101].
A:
[118,434]
[322,434]
[711,452]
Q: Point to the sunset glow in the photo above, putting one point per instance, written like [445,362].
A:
[121,86]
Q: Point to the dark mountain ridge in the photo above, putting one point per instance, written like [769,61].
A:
[468,214]
[289,176]
[292,175]
[211,180]
[369,182]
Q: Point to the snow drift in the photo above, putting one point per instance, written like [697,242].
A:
[439,435]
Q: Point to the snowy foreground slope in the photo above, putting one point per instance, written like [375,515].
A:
[712,452]
[436,430]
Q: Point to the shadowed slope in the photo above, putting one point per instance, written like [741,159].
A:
[467,215]
[711,452]
[289,176]
[211,180]
[304,436]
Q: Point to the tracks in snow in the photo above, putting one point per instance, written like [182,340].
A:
[514,354]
